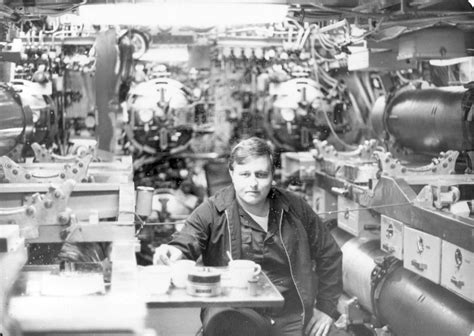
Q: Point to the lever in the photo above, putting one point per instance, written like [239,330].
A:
[419,266]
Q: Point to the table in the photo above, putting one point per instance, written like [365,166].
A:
[267,296]
[174,313]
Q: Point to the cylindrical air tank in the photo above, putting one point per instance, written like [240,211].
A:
[427,121]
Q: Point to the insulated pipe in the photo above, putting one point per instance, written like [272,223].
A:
[15,120]
[408,303]
[427,121]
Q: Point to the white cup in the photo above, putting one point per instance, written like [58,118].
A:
[155,279]
[179,272]
[241,271]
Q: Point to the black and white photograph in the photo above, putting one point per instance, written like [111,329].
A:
[237,168]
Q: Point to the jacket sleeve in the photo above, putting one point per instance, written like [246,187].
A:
[192,239]
[328,258]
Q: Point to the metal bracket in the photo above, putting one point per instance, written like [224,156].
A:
[355,313]
[438,196]
[357,166]
[456,282]
[42,154]
[40,209]
[15,152]
[383,266]
[323,150]
[14,173]
[443,165]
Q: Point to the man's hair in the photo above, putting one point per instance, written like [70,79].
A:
[251,147]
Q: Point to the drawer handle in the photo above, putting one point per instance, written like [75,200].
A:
[419,266]
[372,227]
[457,283]
[389,249]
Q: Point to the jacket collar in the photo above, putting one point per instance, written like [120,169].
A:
[225,198]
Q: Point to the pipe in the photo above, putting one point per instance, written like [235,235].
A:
[409,304]
[441,113]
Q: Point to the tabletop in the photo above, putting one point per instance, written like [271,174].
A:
[266,295]
[44,284]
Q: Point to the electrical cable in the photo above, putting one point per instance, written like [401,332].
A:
[402,79]
[367,208]
[324,83]
[328,41]
[143,223]
[328,78]
[305,37]
[370,32]
[296,23]
[321,57]
[299,37]
[327,46]
[317,54]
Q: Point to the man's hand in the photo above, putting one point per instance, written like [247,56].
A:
[166,255]
[319,324]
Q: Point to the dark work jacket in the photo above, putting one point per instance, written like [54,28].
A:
[214,228]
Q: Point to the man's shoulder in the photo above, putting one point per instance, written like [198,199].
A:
[290,200]
[223,198]
[288,196]
[215,204]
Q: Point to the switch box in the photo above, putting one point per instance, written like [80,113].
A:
[324,202]
[355,219]
[457,265]
[422,253]
[372,60]
[391,236]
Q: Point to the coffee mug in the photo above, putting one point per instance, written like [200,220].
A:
[179,272]
[241,271]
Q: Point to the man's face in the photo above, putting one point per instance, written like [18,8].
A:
[252,180]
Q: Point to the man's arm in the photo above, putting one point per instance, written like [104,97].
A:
[192,239]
